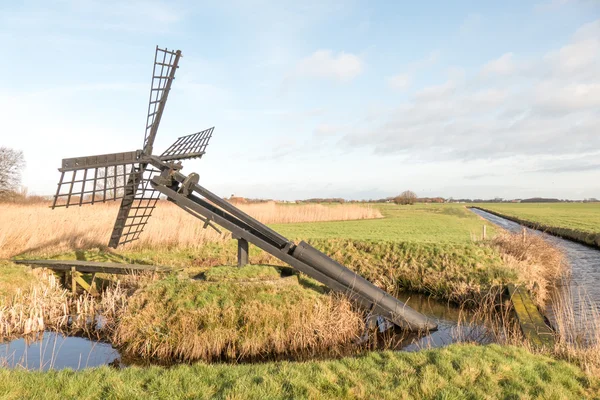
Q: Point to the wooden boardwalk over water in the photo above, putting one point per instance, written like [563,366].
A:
[532,322]
[75,268]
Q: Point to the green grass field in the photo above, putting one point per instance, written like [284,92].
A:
[455,372]
[579,216]
[427,248]
[419,223]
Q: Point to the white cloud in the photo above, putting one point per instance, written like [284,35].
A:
[327,129]
[501,66]
[400,81]
[403,80]
[342,67]
[470,23]
[542,107]
[456,77]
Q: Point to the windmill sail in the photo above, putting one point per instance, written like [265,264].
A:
[95,179]
[136,208]
[190,146]
[165,64]
[140,198]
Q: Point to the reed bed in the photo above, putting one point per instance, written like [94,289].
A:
[577,329]
[184,320]
[46,305]
[37,228]
[539,265]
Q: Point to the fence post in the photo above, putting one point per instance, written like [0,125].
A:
[484,232]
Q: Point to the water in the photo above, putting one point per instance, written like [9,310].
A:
[54,350]
[454,324]
[583,285]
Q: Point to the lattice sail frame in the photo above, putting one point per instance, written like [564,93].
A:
[163,74]
[190,146]
[127,175]
[90,180]
[139,211]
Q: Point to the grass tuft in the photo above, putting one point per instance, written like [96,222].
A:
[247,273]
[186,320]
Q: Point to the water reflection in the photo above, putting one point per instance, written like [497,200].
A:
[454,325]
[582,287]
[51,350]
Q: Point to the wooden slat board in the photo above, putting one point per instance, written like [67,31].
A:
[531,320]
[92,266]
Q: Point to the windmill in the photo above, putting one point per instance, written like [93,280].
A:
[138,178]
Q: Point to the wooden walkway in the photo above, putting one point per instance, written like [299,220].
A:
[532,322]
[74,269]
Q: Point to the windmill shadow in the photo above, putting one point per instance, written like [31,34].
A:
[83,251]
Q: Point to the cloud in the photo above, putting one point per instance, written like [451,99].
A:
[403,80]
[501,66]
[470,23]
[571,168]
[342,67]
[400,81]
[327,129]
[456,77]
[547,106]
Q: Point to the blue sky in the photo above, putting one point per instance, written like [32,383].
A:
[317,99]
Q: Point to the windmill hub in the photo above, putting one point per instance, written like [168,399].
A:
[139,178]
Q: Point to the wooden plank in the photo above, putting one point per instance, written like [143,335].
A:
[92,266]
[89,288]
[532,322]
[73,281]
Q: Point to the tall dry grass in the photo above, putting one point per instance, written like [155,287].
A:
[184,320]
[577,325]
[47,305]
[539,265]
[542,268]
[37,228]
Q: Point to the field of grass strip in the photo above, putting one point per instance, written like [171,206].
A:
[454,372]
[576,221]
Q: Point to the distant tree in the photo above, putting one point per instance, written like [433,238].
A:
[406,197]
[11,164]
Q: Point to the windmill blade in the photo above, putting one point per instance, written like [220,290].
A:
[140,198]
[136,207]
[95,179]
[190,146]
[165,64]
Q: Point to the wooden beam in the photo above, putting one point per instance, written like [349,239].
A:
[532,322]
[73,281]
[93,266]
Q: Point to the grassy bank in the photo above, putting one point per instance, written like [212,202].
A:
[455,372]
[576,221]
[436,250]
[182,320]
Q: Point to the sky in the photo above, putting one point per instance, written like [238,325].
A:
[463,99]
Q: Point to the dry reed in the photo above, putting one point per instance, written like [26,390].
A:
[538,264]
[46,305]
[188,320]
[35,228]
[577,325]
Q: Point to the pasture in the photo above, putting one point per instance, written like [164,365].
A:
[437,250]
[583,217]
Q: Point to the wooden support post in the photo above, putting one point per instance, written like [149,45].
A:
[88,288]
[524,235]
[73,281]
[484,231]
[93,286]
[242,252]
